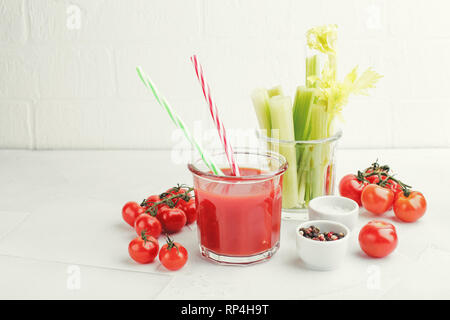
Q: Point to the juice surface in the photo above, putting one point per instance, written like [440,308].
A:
[239,219]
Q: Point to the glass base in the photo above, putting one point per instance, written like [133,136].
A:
[300,214]
[238,260]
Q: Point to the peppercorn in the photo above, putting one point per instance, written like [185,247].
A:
[313,232]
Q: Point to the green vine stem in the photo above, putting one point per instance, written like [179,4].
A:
[382,171]
[170,243]
[167,200]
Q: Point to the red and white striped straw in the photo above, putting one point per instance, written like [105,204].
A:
[215,116]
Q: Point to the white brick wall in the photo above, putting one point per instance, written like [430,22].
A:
[12,22]
[68,87]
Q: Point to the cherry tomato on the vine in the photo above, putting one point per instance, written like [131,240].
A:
[390,184]
[189,210]
[410,208]
[378,238]
[149,224]
[377,199]
[173,255]
[172,219]
[151,200]
[350,187]
[143,249]
[176,190]
[173,192]
[130,211]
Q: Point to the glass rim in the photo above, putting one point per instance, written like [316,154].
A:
[333,138]
[282,167]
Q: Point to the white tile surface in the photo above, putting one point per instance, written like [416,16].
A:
[10,221]
[72,214]
[23,278]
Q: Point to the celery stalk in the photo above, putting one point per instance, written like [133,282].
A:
[319,156]
[260,99]
[303,103]
[312,116]
[282,121]
[275,91]
[312,69]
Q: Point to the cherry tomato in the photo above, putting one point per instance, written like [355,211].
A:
[190,211]
[378,238]
[151,200]
[143,249]
[172,219]
[130,211]
[374,178]
[394,186]
[390,184]
[410,208]
[377,199]
[351,187]
[173,255]
[328,180]
[174,191]
[149,224]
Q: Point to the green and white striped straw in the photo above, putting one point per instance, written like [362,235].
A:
[177,121]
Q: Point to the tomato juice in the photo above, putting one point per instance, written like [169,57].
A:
[239,217]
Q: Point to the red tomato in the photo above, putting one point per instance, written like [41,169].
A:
[151,200]
[390,184]
[371,179]
[328,180]
[130,211]
[143,249]
[378,238]
[149,224]
[173,255]
[410,208]
[172,219]
[174,191]
[377,199]
[374,178]
[350,187]
[191,211]
[394,186]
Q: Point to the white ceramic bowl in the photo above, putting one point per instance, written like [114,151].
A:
[322,255]
[335,208]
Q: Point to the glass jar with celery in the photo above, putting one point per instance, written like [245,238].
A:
[304,131]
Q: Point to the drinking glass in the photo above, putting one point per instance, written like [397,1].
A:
[239,216]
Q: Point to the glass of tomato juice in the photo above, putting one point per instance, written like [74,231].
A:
[239,217]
